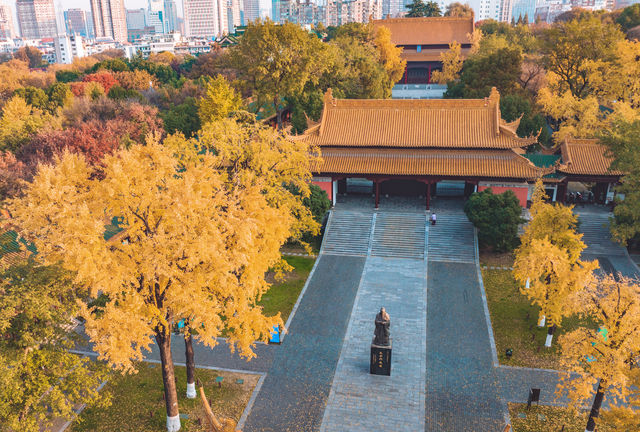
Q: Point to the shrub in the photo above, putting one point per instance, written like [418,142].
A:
[496,216]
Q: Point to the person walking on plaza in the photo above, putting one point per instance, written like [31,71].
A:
[433,218]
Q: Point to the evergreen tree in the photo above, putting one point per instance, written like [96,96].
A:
[420,9]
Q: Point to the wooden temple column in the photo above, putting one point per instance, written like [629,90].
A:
[377,183]
[428,193]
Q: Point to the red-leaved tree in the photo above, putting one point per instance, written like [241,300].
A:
[106,79]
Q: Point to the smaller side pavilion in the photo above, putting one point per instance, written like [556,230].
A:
[587,161]
[407,146]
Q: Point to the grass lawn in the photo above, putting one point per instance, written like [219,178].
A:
[514,322]
[546,418]
[492,259]
[137,404]
[283,294]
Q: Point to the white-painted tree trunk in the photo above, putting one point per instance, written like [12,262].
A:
[527,283]
[173,423]
[191,390]
[547,343]
[542,321]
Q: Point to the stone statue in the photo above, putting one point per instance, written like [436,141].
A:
[382,328]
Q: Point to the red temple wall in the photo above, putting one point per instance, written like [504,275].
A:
[520,191]
[325,184]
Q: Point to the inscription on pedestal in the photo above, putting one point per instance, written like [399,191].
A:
[380,360]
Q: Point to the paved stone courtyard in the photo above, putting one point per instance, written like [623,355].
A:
[365,402]
[445,374]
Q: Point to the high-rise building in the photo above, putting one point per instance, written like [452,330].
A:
[487,9]
[506,10]
[36,18]
[392,8]
[76,22]
[136,19]
[91,33]
[170,16]
[234,14]
[205,18]
[251,10]
[7,30]
[522,8]
[109,19]
[155,15]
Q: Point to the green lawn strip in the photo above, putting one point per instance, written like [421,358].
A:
[547,418]
[514,322]
[137,404]
[283,294]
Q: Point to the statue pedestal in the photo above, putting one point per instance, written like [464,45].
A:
[380,359]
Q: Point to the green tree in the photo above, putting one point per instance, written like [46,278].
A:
[570,47]
[276,61]
[497,217]
[362,63]
[39,378]
[623,141]
[182,118]
[420,9]
[514,106]
[59,94]
[317,202]
[457,9]
[219,101]
[66,76]
[35,97]
[629,17]
[500,69]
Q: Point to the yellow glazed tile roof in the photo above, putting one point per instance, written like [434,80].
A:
[586,157]
[433,162]
[428,31]
[426,123]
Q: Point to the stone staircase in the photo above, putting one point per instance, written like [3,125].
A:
[595,227]
[452,238]
[348,233]
[399,235]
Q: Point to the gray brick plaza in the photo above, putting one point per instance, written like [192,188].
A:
[445,375]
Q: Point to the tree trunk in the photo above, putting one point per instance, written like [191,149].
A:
[542,321]
[595,408]
[552,329]
[191,365]
[163,338]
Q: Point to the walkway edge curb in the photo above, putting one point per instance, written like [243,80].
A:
[633,263]
[306,283]
[485,305]
[252,399]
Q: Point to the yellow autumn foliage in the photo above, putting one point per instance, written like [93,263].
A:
[549,258]
[608,352]
[202,225]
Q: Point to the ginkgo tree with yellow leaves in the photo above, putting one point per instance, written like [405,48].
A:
[202,223]
[606,355]
[547,264]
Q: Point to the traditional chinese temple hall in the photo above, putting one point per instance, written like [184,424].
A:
[443,147]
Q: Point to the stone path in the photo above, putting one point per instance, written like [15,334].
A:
[362,402]
[294,393]
[594,224]
[462,391]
